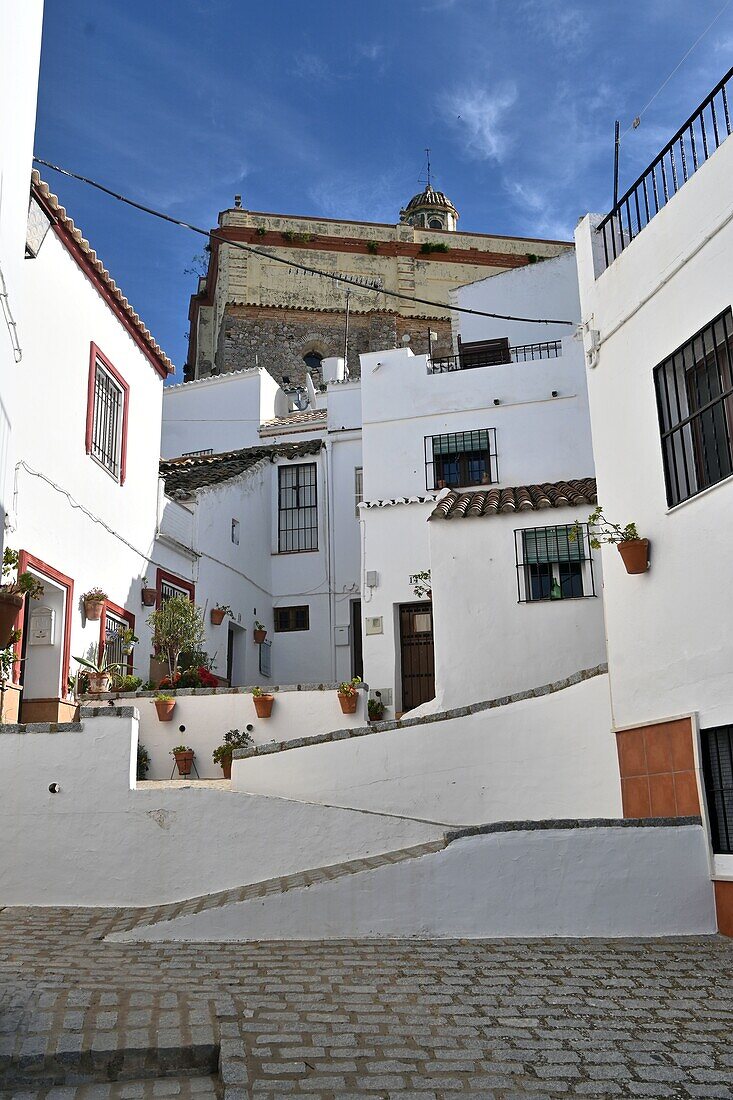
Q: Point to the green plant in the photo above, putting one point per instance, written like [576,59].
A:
[292,235]
[603,531]
[99,663]
[372,247]
[149,685]
[434,246]
[181,748]
[258,691]
[23,584]
[161,697]
[420,582]
[259,625]
[225,608]
[178,627]
[95,595]
[260,230]
[126,683]
[348,687]
[532,258]
[234,739]
[143,761]
[8,658]
[375,709]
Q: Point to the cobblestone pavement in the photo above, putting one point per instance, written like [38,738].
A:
[370,1019]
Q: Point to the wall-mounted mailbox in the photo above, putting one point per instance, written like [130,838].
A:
[341,635]
[43,626]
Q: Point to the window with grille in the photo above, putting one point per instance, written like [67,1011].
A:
[553,566]
[288,619]
[107,401]
[114,628]
[694,389]
[265,663]
[358,488]
[297,508]
[717,769]
[170,585]
[460,459]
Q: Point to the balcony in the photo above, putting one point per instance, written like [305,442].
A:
[493,353]
[694,143]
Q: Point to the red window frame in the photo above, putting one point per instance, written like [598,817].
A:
[163,575]
[119,613]
[24,561]
[98,356]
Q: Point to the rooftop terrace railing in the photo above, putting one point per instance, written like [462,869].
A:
[521,353]
[694,143]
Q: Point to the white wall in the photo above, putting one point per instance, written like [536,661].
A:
[20,49]
[505,646]
[222,413]
[69,512]
[582,882]
[668,630]
[549,757]
[207,718]
[98,842]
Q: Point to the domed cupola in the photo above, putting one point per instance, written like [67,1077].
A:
[430,210]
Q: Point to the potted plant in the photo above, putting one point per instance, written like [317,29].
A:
[259,633]
[149,595]
[375,709]
[263,702]
[165,705]
[218,612]
[178,627]
[223,753]
[348,695]
[128,640]
[94,601]
[13,593]
[633,549]
[143,762]
[184,759]
[98,672]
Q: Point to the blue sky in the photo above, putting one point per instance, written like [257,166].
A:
[324,107]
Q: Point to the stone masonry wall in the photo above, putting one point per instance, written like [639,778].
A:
[279,338]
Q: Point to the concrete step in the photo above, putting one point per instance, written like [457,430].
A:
[183,1088]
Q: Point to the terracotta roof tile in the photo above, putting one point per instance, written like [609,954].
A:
[184,476]
[518,498]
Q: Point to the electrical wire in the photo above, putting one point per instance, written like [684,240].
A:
[679,64]
[334,277]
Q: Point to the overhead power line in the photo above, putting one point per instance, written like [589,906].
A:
[348,280]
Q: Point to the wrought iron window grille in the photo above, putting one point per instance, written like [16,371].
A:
[106,439]
[289,619]
[694,388]
[553,566]
[297,508]
[717,769]
[461,459]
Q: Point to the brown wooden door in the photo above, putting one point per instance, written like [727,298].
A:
[416,649]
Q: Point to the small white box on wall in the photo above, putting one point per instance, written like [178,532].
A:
[374,625]
[43,626]
[341,635]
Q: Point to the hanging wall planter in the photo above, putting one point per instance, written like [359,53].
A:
[259,633]
[217,616]
[10,607]
[263,703]
[184,760]
[348,695]
[94,601]
[165,705]
[149,596]
[635,553]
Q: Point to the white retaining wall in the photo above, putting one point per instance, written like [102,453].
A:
[548,757]
[99,842]
[599,881]
[208,717]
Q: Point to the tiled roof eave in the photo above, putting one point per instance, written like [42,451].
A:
[484,503]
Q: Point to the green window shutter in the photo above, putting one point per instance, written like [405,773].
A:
[551,544]
[461,443]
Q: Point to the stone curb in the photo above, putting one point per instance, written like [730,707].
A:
[180,693]
[570,823]
[425,719]
[70,727]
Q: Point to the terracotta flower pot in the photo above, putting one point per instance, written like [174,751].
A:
[165,708]
[10,606]
[348,702]
[226,767]
[259,636]
[217,616]
[635,553]
[149,596]
[263,705]
[93,610]
[98,682]
[184,762]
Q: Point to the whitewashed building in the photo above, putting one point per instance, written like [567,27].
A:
[656,287]
[496,436]
[84,505]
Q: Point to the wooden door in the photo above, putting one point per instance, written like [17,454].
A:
[417,654]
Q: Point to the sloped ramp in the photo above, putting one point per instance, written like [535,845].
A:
[603,877]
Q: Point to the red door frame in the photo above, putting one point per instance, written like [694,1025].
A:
[26,560]
[121,613]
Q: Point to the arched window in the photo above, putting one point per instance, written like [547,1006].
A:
[313,364]
[436,223]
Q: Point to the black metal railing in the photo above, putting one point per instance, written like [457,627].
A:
[717,768]
[522,353]
[695,141]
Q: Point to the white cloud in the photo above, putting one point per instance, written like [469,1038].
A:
[309,66]
[351,195]
[566,28]
[479,115]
